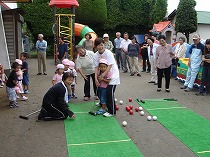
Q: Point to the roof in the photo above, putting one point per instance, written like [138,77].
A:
[63,3]
[3,5]
[161,25]
[203,17]
[14,11]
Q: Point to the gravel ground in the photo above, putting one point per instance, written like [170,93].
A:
[21,138]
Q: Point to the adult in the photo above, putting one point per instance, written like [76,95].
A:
[206,70]
[62,49]
[54,104]
[124,47]
[180,52]
[163,61]
[195,60]
[41,47]
[133,51]
[144,54]
[154,36]
[112,67]
[152,54]
[84,65]
[117,42]
[107,43]
[88,44]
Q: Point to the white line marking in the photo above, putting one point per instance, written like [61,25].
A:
[99,142]
[165,108]
[207,151]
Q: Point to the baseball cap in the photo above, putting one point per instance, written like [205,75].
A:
[103,61]
[65,62]
[196,36]
[105,35]
[60,66]
[18,61]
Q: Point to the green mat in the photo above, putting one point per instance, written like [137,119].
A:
[189,127]
[96,136]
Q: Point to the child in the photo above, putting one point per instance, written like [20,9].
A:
[74,72]
[19,87]
[59,74]
[2,76]
[24,68]
[11,83]
[103,64]
[66,64]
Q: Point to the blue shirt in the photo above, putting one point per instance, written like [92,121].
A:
[199,46]
[25,66]
[62,49]
[133,50]
[42,45]
[117,42]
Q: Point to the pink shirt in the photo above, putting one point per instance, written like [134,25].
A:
[164,55]
[107,76]
[57,78]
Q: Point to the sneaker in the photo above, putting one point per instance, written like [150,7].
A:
[24,98]
[27,92]
[96,98]
[183,87]
[98,104]
[17,97]
[187,89]
[168,90]
[107,114]
[100,111]
[159,89]
[139,75]
[13,105]
[74,96]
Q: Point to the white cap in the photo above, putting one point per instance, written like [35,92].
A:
[60,66]
[18,61]
[105,35]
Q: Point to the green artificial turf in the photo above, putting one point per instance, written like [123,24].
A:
[96,136]
[190,128]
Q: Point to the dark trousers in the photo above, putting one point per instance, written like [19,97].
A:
[146,63]
[167,73]
[205,77]
[118,58]
[110,99]
[87,85]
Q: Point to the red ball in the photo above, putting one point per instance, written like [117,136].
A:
[130,99]
[137,109]
[131,112]
[131,107]
[127,108]
[117,107]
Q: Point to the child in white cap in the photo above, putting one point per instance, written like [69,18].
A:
[59,74]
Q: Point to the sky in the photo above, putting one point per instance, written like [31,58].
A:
[202,5]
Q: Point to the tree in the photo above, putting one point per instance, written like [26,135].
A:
[186,18]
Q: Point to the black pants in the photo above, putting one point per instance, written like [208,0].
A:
[167,72]
[146,63]
[87,85]
[110,99]
[118,58]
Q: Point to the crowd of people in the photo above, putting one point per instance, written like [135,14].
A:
[103,66]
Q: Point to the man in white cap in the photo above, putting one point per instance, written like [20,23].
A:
[107,43]
[194,63]
[41,46]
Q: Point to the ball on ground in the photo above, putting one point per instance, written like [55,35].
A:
[124,123]
[131,107]
[149,118]
[140,108]
[128,108]
[142,113]
[117,107]
[131,112]
[154,118]
[130,99]
[121,102]
[137,109]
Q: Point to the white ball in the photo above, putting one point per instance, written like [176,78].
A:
[140,108]
[142,113]
[154,118]
[124,123]
[149,118]
[121,102]
[115,99]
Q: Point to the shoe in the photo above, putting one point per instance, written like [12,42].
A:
[74,96]
[96,98]
[98,104]
[24,98]
[143,71]
[27,92]
[132,74]
[151,82]
[200,94]
[139,75]
[45,73]
[100,111]
[148,71]
[187,89]
[17,97]
[159,89]
[107,114]
[183,87]
[176,78]
[39,74]
[125,71]
[155,83]
[13,105]
[86,98]
[168,90]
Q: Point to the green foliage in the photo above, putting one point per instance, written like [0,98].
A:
[186,17]
[91,11]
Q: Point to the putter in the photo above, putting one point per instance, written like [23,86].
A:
[27,116]
[165,99]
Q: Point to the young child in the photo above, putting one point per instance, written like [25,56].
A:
[74,72]
[2,76]
[66,64]
[103,64]
[24,68]
[19,87]
[11,83]
[59,74]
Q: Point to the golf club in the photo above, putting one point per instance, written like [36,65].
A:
[27,116]
[165,99]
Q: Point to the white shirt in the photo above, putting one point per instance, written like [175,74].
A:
[124,44]
[108,55]
[180,50]
[153,51]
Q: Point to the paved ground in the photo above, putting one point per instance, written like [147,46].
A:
[37,139]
